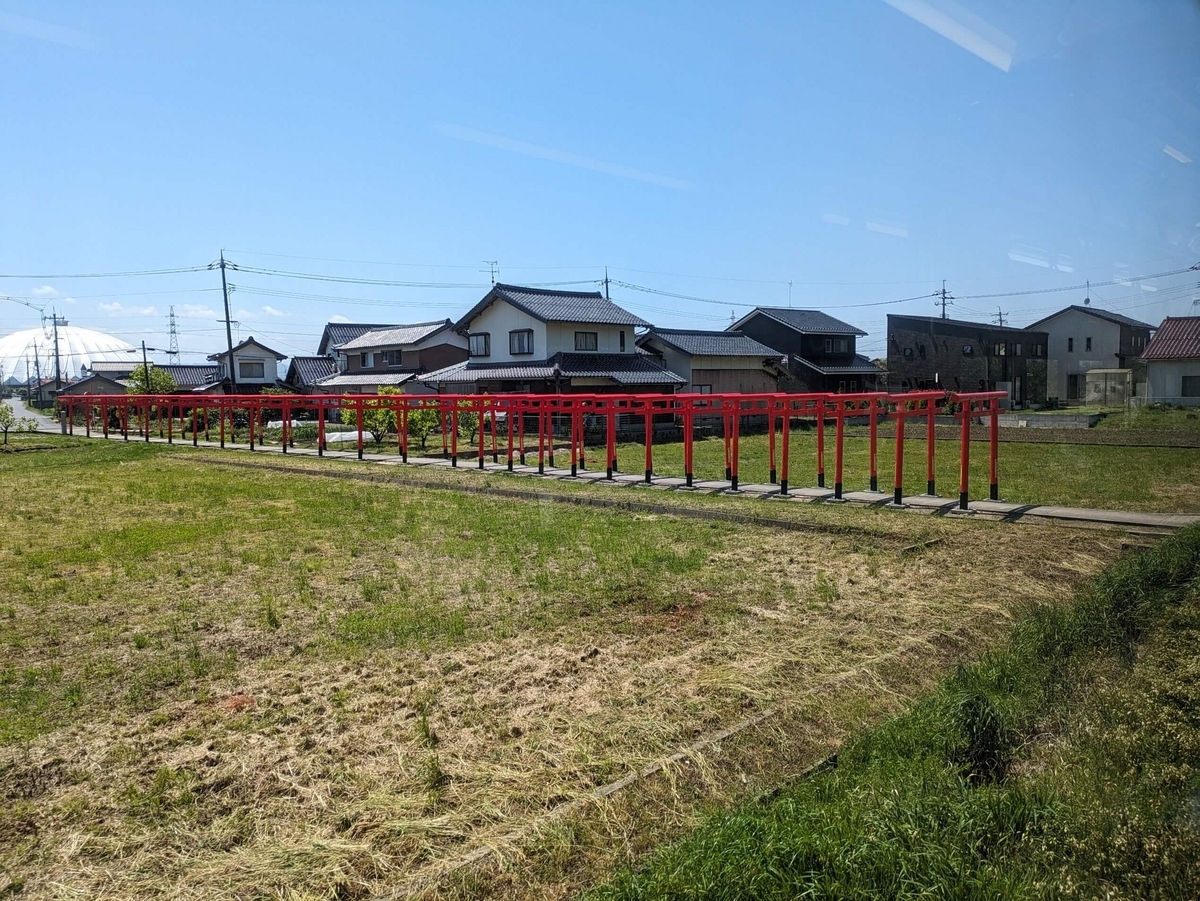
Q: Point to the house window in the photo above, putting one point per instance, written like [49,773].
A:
[836,345]
[586,340]
[392,357]
[921,350]
[251,369]
[968,350]
[908,353]
[622,340]
[704,389]
[1070,345]
[1001,349]
[1038,350]
[1089,343]
[1017,350]
[481,344]
[520,341]
[362,360]
[1190,386]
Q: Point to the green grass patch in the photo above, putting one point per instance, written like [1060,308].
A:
[1066,764]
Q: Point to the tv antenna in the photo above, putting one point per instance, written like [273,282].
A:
[493,268]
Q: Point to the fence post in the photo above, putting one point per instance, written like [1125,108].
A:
[574,438]
[610,440]
[786,422]
[994,448]
[771,441]
[454,435]
[481,426]
[875,405]
[735,446]
[541,441]
[358,418]
[964,456]
[839,435]
[508,427]
[649,414]
[689,440]
[321,428]
[821,442]
[521,404]
[104,419]
[402,422]
[195,435]
[930,478]
[898,481]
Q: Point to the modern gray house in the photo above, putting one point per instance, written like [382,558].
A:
[1081,338]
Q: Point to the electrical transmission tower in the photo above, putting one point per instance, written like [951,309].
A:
[173,352]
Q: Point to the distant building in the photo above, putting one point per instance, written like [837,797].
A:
[256,366]
[94,384]
[1083,338]
[336,333]
[1172,360]
[925,352]
[393,356]
[193,377]
[305,373]
[715,362]
[819,350]
[532,339]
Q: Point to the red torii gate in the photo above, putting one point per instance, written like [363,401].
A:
[781,411]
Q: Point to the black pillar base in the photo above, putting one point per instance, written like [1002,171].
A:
[962,500]
[733,483]
[195,441]
[552,461]
[874,483]
[541,469]
[688,478]
[481,462]
[404,456]
[510,464]
[285,448]
[649,473]
[573,472]
[454,462]
[931,488]
[495,458]
[821,480]
[783,487]
[994,494]
[728,473]
[320,450]
[898,497]
[608,473]
[837,490]
[360,453]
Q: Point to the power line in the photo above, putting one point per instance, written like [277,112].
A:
[350,280]
[112,274]
[1084,286]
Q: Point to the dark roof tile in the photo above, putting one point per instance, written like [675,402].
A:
[1178,338]
[808,322]
[699,343]
[556,306]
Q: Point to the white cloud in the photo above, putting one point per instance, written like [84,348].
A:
[197,310]
[338,317]
[44,31]
[260,313]
[271,311]
[47,291]
[559,156]
[116,308]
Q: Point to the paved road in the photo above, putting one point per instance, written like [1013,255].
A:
[45,423]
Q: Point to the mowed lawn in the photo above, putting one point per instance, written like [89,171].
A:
[233,683]
[1165,480]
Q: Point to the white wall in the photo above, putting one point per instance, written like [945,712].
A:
[1106,342]
[548,338]
[1165,377]
[249,354]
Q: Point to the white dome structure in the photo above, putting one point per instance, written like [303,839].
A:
[77,348]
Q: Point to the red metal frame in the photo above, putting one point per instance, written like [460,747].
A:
[575,412]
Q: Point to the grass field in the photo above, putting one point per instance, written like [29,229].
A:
[1117,478]
[1065,764]
[232,683]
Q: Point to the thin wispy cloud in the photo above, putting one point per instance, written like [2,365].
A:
[338,317]
[962,27]
[45,31]
[51,293]
[260,313]
[560,156]
[116,308]
[197,311]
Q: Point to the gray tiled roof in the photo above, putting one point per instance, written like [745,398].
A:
[337,333]
[191,375]
[220,355]
[1100,314]
[114,367]
[860,365]
[556,306]
[394,335]
[698,343]
[805,321]
[365,379]
[623,369]
[305,371]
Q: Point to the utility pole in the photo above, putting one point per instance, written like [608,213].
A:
[945,298]
[228,329]
[146,368]
[37,368]
[1000,317]
[173,353]
[54,317]
[605,283]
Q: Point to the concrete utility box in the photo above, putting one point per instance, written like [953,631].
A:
[1108,387]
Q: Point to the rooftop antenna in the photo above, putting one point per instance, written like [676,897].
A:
[606,283]
[494,268]
[1087,298]
[173,352]
[789,292]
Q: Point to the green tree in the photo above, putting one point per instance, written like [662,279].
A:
[468,420]
[422,422]
[379,416]
[8,419]
[160,381]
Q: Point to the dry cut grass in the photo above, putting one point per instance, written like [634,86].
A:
[232,684]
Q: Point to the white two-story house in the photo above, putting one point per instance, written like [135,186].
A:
[255,366]
[531,339]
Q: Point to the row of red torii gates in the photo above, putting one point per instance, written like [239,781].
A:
[536,416]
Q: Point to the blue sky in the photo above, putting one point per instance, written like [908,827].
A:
[863,150]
